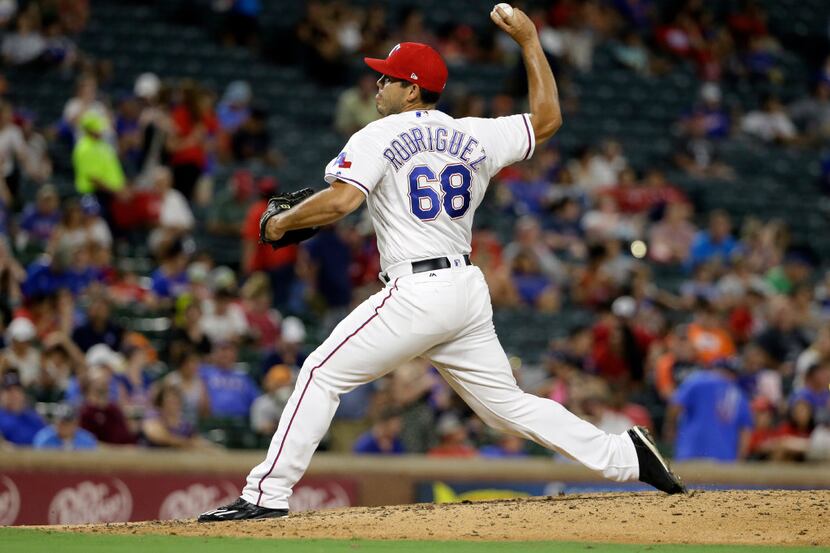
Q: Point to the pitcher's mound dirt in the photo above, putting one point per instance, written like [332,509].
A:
[733,517]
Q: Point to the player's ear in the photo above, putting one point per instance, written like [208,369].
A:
[414,94]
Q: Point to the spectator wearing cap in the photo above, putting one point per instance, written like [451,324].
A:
[231,389]
[97,168]
[453,439]
[383,438]
[65,433]
[105,363]
[288,346]
[19,423]
[267,408]
[39,221]
[154,123]
[21,353]
[223,318]
[100,415]
[234,107]
[714,420]
[277,264]
[716,119]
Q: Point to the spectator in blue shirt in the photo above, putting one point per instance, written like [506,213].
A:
[329,258]
[170,280]
[717,243]
[383,437]
[65,433]
[235,106]
[38,221]
[99,327]
[715,417]
[816,390]
[715,117]
[232,391]
[18,422]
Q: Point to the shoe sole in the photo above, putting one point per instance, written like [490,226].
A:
[646,439]
[236,519]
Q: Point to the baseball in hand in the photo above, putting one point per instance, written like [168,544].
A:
[506,8]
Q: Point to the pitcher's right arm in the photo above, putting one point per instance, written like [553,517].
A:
[546,114]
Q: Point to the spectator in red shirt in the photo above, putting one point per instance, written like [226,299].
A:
[194,125]
[454,439]
[278,264]
[671,238]
[101,416]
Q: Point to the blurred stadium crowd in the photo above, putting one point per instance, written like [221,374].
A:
[120,327]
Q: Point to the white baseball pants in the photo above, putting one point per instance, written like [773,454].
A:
[444,316]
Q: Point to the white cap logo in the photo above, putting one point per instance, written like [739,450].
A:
[414,77]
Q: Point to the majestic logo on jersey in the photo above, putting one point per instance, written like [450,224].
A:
[342,162]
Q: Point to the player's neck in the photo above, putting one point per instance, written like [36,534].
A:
[417,107]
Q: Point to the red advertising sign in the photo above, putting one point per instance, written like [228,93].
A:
[75,497]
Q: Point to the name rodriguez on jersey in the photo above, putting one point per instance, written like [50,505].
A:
[434,139]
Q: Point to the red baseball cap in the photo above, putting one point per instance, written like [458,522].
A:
[414,62]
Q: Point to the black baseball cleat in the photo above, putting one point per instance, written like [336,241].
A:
[241,510]
[654,470]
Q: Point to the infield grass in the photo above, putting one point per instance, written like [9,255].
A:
[37,541]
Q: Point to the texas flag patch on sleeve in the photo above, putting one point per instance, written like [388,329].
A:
[342,162]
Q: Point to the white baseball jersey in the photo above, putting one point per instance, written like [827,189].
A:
[425,173]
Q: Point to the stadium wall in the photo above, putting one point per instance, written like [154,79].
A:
[38,487]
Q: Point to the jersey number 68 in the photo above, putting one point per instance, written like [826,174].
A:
[425,201]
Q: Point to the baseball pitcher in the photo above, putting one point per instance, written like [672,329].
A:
[423,174]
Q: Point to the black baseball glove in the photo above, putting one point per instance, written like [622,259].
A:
[278,204]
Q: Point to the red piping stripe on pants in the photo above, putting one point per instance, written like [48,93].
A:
[310,376]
